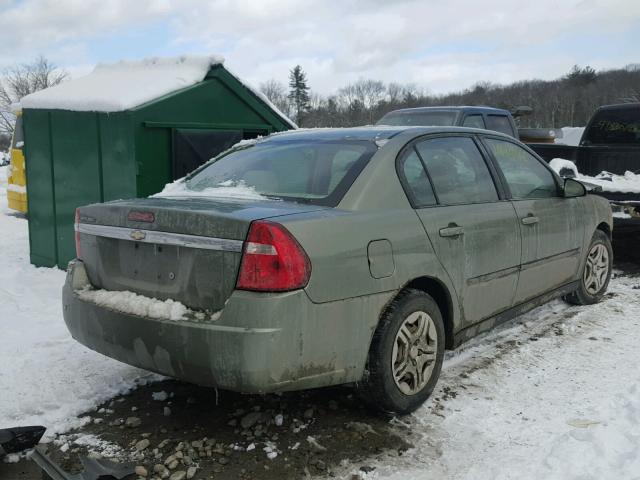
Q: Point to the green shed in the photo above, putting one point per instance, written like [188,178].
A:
[125,130]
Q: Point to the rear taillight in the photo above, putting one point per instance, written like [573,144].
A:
[273,260]
[76,226]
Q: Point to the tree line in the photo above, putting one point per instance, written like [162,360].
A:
[566,101]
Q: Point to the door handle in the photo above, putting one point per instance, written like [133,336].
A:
[452,230]
[530,220]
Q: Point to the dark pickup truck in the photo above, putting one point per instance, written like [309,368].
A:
[487,118]
[610,143]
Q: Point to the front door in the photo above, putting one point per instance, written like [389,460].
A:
[473,232]
[549,223]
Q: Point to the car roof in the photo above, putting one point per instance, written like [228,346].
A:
[463,108]
[371,133]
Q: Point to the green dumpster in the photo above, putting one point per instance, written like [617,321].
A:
[124,131]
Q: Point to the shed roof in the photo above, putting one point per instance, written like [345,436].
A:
[127,84]
[123,85]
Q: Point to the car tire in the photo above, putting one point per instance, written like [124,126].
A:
[596,272]
[406,354]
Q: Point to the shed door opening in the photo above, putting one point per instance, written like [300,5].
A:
[192,148]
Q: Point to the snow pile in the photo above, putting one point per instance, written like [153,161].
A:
[610,182]
[225,190]
[46,377]
[560,166]
[124,85]
[563,407]
[134,304]
[570,136]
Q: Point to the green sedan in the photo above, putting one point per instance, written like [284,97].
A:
[334,256]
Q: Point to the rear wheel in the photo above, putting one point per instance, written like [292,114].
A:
[596,272]
[406,354]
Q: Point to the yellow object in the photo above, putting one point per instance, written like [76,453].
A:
[17,179]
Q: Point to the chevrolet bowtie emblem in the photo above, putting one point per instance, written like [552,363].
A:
[137,235]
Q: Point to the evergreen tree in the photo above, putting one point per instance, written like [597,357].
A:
[298,92]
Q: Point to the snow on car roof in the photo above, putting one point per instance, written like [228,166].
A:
[123,85]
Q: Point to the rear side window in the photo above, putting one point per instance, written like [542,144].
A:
[416,180]
[525,175]
[458,170]
[499,123]
[473,121]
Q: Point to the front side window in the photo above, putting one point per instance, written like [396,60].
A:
[309,171]
[458,170]
[525,175]
[499,123]
[416,180]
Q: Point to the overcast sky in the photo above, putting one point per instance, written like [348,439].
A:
[439,45]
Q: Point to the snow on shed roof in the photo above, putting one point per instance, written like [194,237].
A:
[123,85]
[114,87]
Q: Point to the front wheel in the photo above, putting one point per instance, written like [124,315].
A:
[596,272]
[406,354]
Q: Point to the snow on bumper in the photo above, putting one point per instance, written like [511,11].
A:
[260,343]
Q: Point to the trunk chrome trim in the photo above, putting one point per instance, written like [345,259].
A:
[160,238]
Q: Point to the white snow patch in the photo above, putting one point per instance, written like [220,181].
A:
[225,190]
[610,182]
[16,188]
[564,407]
[134,304]
[46,377]
[558,164]
[160,396]
[124,85]
[570,136]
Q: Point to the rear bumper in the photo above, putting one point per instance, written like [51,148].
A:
[260,343]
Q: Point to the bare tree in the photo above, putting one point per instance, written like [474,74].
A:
[21,80]
[277,94]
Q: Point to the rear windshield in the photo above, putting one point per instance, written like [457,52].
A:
[615,126]
[419,119]
[316,172]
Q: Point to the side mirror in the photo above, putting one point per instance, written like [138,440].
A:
[573,188]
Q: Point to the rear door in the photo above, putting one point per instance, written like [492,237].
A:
[473,231]
[550,224]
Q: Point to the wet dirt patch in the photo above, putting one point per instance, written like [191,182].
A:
[222,435]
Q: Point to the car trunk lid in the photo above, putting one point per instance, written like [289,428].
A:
[187,250]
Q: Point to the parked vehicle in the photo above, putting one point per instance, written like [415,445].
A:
[610,143]
[488,118]
[334,256]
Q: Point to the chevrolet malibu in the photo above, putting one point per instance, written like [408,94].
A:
[334,256]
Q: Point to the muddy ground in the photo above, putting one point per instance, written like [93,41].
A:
[171,427]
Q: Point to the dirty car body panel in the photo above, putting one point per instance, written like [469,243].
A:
[365,244]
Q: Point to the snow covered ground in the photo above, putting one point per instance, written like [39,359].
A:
[555,394]
[46,378]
